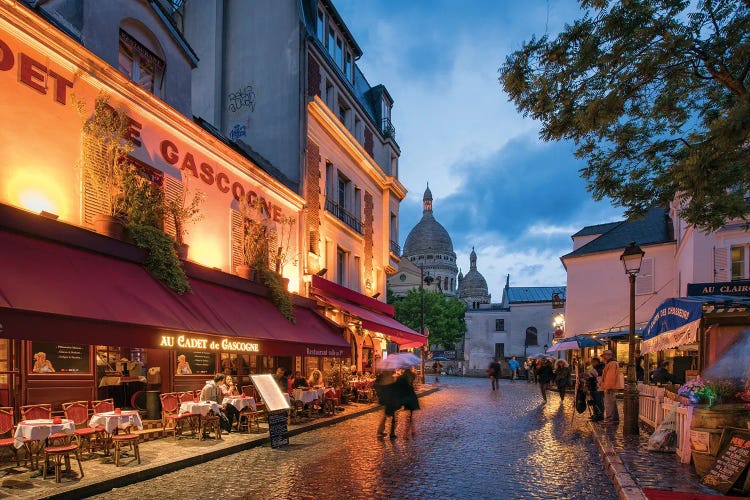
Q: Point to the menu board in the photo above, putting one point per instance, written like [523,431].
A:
[277,429]
[270,393]
[731,462]
[200,363]
[51,357]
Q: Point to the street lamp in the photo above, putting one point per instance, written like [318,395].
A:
[428,280]
[631,260]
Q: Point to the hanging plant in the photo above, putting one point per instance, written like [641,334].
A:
[185,210]
[279,294]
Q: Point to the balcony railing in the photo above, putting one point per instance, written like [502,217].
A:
[389,131]
[344,215]
[395,248]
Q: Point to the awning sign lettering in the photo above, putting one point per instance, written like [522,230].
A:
[207,344]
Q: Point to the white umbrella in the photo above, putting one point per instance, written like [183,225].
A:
[400,360]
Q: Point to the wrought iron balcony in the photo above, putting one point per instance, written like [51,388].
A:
[389,131]
[395,248]
[344,215]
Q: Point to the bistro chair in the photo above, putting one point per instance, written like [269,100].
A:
[7,427]
[249,391]
[127,439]
[54,455]
[331,400]
[189,397]
[171,419]
[78,412]
[103,405]
[38,411]
[207,424]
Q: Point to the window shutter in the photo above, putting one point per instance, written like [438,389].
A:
[644,282]
[236,235]
[721,264]
[95,198]
[173,191]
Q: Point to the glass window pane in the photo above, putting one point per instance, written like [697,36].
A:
[331,42]
[125,61]
[348,66]
[339,53]
[146,75]
[321,31]
[738,263]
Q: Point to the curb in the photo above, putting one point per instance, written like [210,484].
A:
[626,485]
[254,442]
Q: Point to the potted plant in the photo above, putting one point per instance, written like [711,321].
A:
[183,213]
[104,163]
[253,240]
[282,253]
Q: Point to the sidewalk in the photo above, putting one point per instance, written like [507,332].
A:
[633,468]
[158,457]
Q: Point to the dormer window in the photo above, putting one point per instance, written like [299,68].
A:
[335,44]
[138,63]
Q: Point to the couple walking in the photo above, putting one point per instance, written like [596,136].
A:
[545,374]
[396,390]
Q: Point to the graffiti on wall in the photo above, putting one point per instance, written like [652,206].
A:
[243,98]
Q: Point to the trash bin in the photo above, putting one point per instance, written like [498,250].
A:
[153,405]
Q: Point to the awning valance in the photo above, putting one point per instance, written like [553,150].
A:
[54,292]
[374,317]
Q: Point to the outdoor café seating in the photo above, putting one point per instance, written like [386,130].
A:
[7,427]
[54,456]
[171,418]
[126,439]
[78,412]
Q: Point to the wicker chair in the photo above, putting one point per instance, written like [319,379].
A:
[54,455]
[126,439]
[171,418]
[7,427]
[78,412]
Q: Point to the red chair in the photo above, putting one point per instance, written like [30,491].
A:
[128,439]
[78,412]
[249,391]
[7,427]
[54,455]
[33,412]
[103,405]
[171,418]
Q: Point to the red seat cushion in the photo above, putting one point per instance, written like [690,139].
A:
[86,431]
[61,449]
[59,435]
[124,437]
[7,441]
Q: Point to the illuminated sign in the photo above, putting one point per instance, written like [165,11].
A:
[207,344]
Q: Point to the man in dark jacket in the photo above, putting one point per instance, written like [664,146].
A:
[494,373]
[661,374]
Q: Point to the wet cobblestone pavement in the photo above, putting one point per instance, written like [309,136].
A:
[470,443]
[650,469]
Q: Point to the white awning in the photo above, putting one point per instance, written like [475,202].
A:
[686,334]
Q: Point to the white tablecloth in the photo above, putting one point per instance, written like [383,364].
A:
[240,403]
[40,429]
[307,395]
[112,421]
[201,408]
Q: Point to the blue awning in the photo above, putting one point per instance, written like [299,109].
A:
[677,312]
[617,333]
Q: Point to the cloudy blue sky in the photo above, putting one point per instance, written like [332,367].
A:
[497,187]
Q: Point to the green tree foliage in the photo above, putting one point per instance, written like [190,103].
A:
[443,316]
[655,95]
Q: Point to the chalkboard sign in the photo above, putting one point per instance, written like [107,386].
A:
[731,462]
[51,357]
[201,363]
[277,429]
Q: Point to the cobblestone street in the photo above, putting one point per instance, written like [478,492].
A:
[471,443]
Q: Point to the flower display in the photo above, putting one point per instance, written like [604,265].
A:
[693,390]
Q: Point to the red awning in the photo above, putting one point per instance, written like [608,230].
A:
[53,292]
[376,320]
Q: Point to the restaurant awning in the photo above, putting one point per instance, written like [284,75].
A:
[375,315]
[54,292]
[677,320]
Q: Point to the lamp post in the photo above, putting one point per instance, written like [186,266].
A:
[631,260]
[428,280]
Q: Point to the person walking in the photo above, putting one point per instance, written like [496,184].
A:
[596,396]
[562,377]
[610,384]
[494,373]
[530,366]
[513,365]
[544,376]
[384,388]
[404,386]
[437,367]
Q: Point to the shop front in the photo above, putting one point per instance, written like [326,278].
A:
[81,319]
[369,322]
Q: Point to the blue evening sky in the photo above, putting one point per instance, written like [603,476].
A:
[496,185]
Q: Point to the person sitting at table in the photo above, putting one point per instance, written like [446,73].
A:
[281,378]
[228,388]
[299,381]
[183,367]
[42,364]
[212,392]
[316,379]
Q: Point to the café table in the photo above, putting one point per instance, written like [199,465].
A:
[37,431]
[200,408]
[112,421]
[240,402]
[306,396]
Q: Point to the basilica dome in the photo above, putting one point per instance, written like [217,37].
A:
[428,236]
[473,286]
